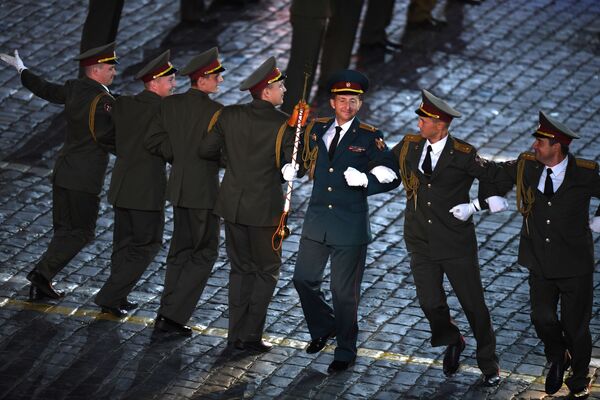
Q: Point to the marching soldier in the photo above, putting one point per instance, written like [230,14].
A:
[177,131]
[81,164]
[437,171]
[556,245]
[251,199]
[336,224]
[137,187]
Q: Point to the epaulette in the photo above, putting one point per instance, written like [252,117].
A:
[322,120]
[412,138]
[462,147]
[527,156]
[589,164]
[367,127]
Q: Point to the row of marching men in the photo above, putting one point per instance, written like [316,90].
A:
[348,160]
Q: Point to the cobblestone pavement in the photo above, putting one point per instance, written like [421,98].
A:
[499,63]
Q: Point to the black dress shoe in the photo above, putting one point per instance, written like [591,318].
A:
[393,45]
[165,324]
[472,2]
[556,373]
[117,312]
[429,24]
[129,305]
[317,344]
[262,346]
[452,356]
[491,380]
[580,394]
[43,285]
[338,366]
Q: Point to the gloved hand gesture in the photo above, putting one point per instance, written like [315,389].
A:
[355,178]
[463,211]
[289,173]
[497,204]
[15,61]
[595,224]
[384,174]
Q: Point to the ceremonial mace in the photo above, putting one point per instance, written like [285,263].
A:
[301,109]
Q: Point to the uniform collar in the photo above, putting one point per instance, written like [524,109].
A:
[559,168]
[197,92]
[438,146]
[345,126]
[260,103]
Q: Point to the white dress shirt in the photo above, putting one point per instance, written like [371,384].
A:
[557,176]
[436,151]
[328,136]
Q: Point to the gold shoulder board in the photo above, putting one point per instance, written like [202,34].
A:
[367,127]
[462,147]
[589,164]
[527,156]
[412,138]
[323,120]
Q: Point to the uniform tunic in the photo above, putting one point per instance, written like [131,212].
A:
[79,169]
[557,247]
[176,134]
[441,244]
[137,193]
[250,201]
[337,226]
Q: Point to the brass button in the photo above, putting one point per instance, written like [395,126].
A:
[547,240]
[429,221]
[329,189]
[550,203]
[547,222]
[429,185]
[429,203]
[330,169]
[330,206]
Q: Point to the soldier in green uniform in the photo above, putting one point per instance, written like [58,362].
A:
[419,14]
[251,199]
[176,133]
[137,187]
[309,23]
[553,194]
[336,225]
[437,171]
[81,164]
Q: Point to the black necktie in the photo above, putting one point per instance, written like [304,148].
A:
[548,187]
[334,142]
[427,162]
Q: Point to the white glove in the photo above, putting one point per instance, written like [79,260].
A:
[384,174]
[289,173]
[497,204]
[15,61]
[463,211]
[356,178]
[595,224]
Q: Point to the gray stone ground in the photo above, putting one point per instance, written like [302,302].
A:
[499,63]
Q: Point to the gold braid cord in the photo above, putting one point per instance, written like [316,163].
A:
[309,156]
[525,197]
[213,120]
[278,142]
[92,114]
[411,183]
